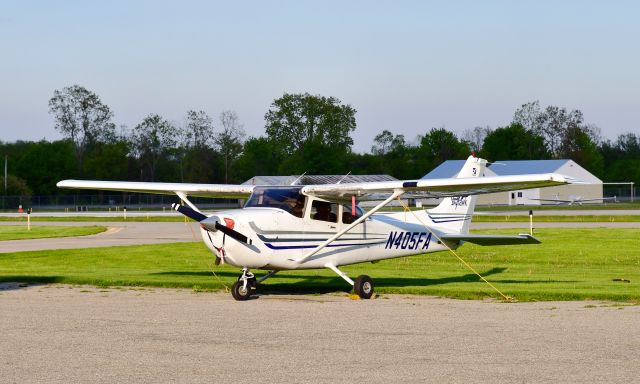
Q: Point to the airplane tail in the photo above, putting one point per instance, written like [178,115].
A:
[453,214]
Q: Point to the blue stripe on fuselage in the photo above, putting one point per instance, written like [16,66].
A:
[278,247]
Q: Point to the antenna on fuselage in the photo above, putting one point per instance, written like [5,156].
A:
[296,180]
[343,177]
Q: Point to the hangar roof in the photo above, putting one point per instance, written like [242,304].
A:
[450,168]
[521,167]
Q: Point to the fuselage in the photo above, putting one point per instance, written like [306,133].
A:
[277,239]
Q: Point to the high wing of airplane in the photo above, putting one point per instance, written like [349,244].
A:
[575,200]
[322,226]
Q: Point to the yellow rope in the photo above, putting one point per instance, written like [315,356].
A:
[406,208]
[226,288]
[193,235]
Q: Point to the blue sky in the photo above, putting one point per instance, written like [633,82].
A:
[406,66]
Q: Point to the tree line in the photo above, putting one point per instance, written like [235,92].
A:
[303,133]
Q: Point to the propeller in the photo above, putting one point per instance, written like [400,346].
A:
[190,213]
[215,226]
[228,231]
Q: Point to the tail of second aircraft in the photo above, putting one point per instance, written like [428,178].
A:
[453,214]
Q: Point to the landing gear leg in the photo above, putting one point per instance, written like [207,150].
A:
[363,286]
[245,285]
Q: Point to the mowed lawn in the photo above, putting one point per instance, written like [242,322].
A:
[570,264]
[20,232]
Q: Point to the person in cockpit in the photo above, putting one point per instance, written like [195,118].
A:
[324,212]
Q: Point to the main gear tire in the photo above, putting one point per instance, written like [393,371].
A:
[363,287]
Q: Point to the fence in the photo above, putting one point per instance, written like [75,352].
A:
[147,201]
[626,192]
[107,201]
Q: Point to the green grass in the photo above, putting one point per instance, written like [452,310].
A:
[524,208]
[571,264]
[478,218]
[112,219]
[562,219]
[20,232]
[553,207]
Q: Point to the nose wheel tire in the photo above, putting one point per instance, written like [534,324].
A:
[363,287]
[241,292]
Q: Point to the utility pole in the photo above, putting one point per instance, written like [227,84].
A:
[6,160]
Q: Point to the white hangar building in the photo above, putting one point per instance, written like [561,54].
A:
[591,189]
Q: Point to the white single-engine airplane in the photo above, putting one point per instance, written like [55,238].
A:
[573,199]
[321,226]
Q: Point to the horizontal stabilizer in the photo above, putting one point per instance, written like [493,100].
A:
[492,239]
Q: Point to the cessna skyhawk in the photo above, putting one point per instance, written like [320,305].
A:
[322,226]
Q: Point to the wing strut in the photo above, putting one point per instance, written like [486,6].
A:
[183,196]
[396,193]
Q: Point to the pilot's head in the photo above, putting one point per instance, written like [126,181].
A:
[323,207]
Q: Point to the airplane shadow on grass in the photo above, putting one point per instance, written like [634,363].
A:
[13,282]
[327,284]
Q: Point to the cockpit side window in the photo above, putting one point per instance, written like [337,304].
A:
[347,216]
[324,210]
[287,199]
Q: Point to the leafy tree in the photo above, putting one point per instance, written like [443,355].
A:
[365,163]
[627,146]
[395,154]
[529,116]
[622,158]
[439,145]
[382,143]
[199,131]
[229,140]
[475,137]
[199,161]
[81,117]
[42,175]
[16,187]
[578,146]
[296,120]
[553,124]
[315,158]
[152,140]
[109,161]
[514,143]
[259,157]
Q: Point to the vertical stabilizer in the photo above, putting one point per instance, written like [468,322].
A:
[453,215]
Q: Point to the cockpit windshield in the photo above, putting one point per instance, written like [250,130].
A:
[286,198]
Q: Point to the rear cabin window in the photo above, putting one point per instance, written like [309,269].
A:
[288,199]
[324,211]
[347,216]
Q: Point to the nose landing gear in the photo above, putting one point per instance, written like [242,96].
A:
[244,286]
[247,284]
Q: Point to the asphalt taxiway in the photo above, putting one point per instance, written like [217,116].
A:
[60,334]
[117,233]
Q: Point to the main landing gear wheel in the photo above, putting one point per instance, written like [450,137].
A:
[363,287]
